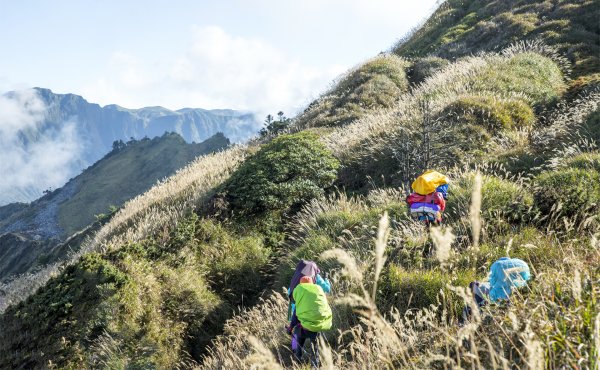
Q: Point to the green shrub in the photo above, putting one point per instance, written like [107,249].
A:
[49,324]
[154,299]
[460,28]
[490,112]
[585,161]
[572,192]
[537,77]
[284,173]
[388,66]
[538,248]
[235,264]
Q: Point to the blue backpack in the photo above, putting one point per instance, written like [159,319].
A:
[444,190]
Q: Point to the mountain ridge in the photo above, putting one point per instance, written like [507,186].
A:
[116,178]
[93,129]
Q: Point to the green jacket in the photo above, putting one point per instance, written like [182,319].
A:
[312,308]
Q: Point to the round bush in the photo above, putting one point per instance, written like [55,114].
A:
[492,113]
[537,77]
[575,190]
[388,66]
[284,173]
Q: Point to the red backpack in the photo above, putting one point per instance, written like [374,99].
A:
[433,198]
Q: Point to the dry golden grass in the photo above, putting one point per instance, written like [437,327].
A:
[528,334]
[168,201]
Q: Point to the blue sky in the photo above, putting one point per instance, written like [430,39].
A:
[259,55]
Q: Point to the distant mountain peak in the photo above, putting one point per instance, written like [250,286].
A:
[95,128]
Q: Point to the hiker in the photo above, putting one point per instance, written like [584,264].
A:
[428,200]
[310,269]
[506,275]
[312,316]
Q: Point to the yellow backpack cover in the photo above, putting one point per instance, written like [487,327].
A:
[428,182]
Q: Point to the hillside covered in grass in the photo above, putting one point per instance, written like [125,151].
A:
[39,233]
[191,273]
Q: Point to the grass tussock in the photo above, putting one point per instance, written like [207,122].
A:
[374,84]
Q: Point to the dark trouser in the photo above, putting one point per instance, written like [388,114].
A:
[481,292]
[300,335]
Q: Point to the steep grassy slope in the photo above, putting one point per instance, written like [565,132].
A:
[127,173]
[149,302]
[521,151]
[462,27]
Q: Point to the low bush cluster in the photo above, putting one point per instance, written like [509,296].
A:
[490,112]
[535,76]
[283,174]
[503,202]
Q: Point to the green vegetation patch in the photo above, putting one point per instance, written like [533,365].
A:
[284,173]
[537,77]
[493,113]
[407,289]
[154,304]
[236,263]
[53,322]
[460,28]
[584,161]
[572,192]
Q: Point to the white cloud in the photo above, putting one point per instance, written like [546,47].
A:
[218,70]
[32,166]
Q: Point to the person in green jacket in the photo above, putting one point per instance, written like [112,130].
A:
[312,315]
